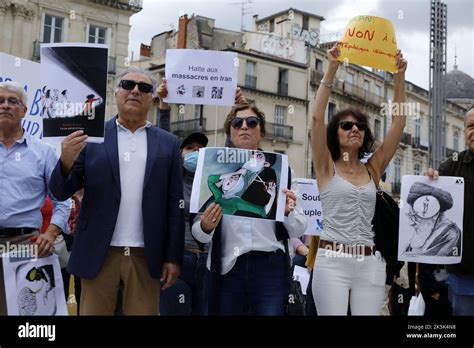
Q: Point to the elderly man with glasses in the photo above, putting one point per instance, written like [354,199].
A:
[131,227]
[26,164]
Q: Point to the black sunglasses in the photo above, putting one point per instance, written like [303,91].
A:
[251,121]
[347,125]
[142,86]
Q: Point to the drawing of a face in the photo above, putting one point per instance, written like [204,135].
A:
[230,182]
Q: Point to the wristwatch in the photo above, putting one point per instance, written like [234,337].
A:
[329,85]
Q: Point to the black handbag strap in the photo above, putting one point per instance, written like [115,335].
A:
[373,175]
[282,234]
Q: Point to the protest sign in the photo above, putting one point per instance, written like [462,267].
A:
[309,198]
[33,286]
[201,77]
[243,182]
[26,73]
[431,219]
[370,41]
[74,86]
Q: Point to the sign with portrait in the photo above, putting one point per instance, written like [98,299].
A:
[243,182]
[431,219]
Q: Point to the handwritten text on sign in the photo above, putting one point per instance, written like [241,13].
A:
[201,77]
[370,41]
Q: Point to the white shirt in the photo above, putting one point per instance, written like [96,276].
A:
[243,234]
[132,150]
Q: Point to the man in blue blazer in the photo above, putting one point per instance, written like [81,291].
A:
[131,227]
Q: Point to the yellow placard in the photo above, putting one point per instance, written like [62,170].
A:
[370,41]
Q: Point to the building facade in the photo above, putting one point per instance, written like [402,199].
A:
[281,64]
[27,24]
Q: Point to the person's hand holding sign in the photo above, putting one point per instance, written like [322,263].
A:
[162,92]
[402,67]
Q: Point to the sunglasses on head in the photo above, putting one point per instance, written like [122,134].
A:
[142,86]
[251,121]
[347,125]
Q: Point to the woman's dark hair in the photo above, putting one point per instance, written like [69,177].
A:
[270,158]
[333,139]
[241,107]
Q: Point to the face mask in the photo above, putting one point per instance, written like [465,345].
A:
[190,161]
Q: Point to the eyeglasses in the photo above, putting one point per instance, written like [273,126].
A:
[11,101]
[142,86]
[347,125]
[251,121]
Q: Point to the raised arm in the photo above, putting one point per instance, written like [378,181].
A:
[385,152]
[321,154]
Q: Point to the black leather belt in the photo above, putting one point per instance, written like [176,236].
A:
[14,232]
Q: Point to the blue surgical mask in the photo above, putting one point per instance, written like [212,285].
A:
[190,161]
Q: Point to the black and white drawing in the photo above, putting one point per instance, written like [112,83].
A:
[431,220]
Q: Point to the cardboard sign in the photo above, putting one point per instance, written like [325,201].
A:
[26,73]
[308,197]
[201,77]
[370,41]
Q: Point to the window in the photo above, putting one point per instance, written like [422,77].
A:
[198,111]
[305,22]
[417,169]
[250,78]
[283,81]
[456,141]
[97,35]
[280,112]
[417,127]
[350,82]
[181,118]
[367,85]
[377,127]
[272,25]
[397,164]
[331,111]
[319,65]
[52,29]
[378,90]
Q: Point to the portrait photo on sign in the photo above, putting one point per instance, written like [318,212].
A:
[243,182]
[34,287]
[431,219]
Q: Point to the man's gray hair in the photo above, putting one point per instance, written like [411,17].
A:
[134,69]
[15,87]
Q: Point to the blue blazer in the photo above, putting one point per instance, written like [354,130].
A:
[97,170]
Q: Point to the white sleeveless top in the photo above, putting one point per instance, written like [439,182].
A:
[348,211]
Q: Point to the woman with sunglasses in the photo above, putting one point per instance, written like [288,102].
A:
[247,261]
[348,269]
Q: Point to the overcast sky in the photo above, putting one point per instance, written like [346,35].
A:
[412,29]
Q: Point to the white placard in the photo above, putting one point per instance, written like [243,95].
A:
[26,73]
[301,275]
[33,286]
[244,182]
[431,219]
[201,77]
[309,198]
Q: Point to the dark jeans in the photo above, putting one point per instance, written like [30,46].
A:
[258,284]
[188,296]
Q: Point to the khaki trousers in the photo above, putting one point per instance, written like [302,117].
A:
[141,292]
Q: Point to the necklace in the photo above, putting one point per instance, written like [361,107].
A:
[350,169]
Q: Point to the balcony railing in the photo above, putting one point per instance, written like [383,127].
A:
[362,93]
[315,77]
[183,128]
[127,5]
[278,131]
[251,81]
[416,144]
[396,187]
[112,65]
[406,139]
[282,88]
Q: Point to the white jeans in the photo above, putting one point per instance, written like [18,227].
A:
[339,278]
